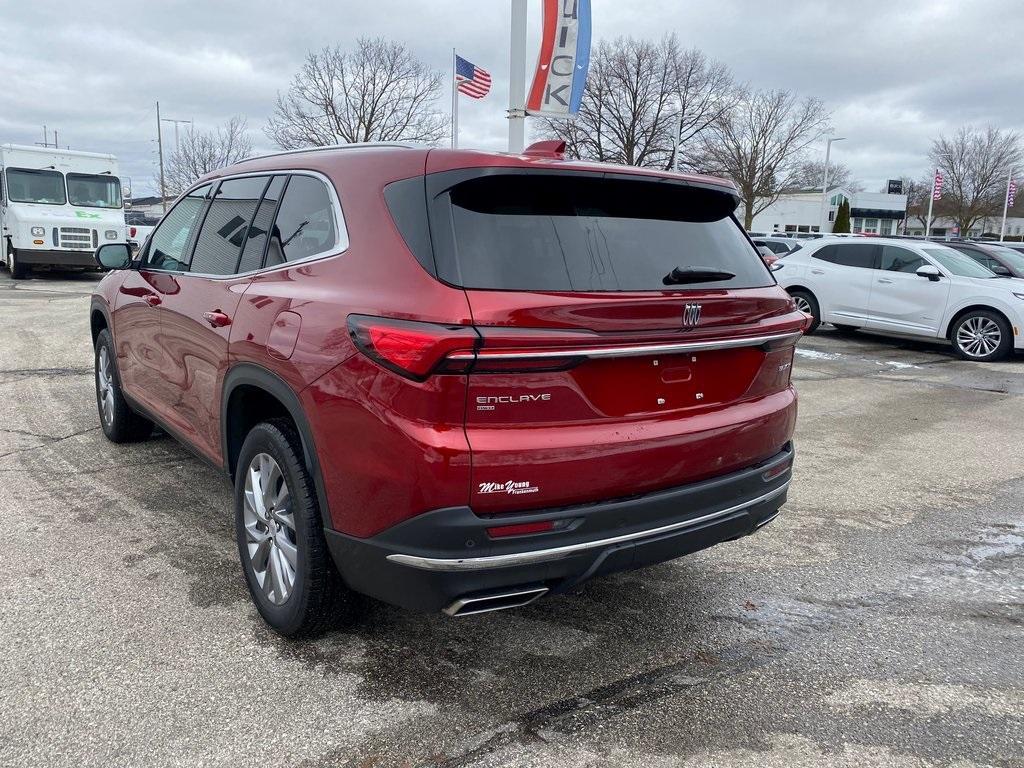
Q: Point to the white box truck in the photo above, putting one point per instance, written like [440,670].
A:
[56,207]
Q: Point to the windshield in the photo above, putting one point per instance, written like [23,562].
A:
[958,264]
[31,186]
[573,233]
[94,191]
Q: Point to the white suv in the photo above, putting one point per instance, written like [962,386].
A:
[907,288]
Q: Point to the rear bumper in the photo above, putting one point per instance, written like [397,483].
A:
[438,558]
[57,258]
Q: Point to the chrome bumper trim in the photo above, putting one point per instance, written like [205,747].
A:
[630,351]
[557,553]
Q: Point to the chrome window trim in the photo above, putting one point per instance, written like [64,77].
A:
[557,553]
[341,245]
[631,351]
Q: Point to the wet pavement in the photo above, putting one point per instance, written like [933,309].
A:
[879,621]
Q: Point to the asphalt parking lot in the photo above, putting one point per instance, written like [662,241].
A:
[879,621]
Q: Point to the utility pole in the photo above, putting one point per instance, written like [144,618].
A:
[160,149]
[824,183]
[517,79]
[931,203]
[1006,206]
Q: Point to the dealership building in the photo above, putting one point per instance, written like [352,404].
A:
[874,213]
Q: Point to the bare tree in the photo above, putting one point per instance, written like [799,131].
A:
[638,95]
[377,92]
[811,172]
[760,144]
[201,152]
[706,93]
[974,165]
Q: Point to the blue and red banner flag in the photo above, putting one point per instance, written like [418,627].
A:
[564,60]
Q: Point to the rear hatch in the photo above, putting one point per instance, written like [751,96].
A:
[631,337]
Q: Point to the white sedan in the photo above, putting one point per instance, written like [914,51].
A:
[906,288]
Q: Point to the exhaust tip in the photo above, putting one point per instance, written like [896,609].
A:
[496,601]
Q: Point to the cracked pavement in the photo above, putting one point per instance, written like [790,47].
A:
[879,621]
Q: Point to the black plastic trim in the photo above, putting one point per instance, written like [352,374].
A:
[459,533]
[249,374]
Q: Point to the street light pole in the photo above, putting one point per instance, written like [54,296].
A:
[824,183]
[160,149]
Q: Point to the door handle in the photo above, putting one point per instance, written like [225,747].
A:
[817,272]
[884,280]
[216,318]
[152,299]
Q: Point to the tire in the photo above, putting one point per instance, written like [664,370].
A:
[119,422]
[981,336]
[18,270]
[846,330]
[298,591]
[806,302]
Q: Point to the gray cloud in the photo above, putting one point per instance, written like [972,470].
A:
[894,75]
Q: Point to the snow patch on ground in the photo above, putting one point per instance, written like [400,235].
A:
[814,354]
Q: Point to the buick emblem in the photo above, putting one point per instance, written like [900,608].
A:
[691,315]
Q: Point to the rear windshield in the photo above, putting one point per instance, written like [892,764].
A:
[568,233]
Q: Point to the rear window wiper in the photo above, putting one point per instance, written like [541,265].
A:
[683,275]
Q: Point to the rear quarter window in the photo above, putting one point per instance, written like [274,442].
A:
[551,232]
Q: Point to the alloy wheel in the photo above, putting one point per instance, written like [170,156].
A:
[978,336]
[270,528]
[803,305]
[105,382]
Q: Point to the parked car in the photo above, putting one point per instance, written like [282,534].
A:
[455,380]
[780,246]
[906,288]
[1005,262]
[767,254]
[140,226]
[1019,247]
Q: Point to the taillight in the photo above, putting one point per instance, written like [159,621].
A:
[132,231]
[412,349]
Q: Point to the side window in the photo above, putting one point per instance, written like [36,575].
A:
[252,252]
[305,224]
[861,255]
[896,259]
[169,243]
[224,228]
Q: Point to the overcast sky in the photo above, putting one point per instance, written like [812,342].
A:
[894,74]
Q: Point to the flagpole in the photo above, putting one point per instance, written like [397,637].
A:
[1006,206]
[455,101]
[931,202]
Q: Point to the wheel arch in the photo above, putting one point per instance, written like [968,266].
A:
[252,394]
[98,321]
[948,332]
[799,287]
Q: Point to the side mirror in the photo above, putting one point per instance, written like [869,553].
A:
[1002,271]
[929,271]
[114,256]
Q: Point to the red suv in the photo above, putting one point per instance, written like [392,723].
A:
[455,380]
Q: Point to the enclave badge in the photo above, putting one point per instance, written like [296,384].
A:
[691,315]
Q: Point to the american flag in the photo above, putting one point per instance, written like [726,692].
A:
[472,80]
[1011,194]
[937,194]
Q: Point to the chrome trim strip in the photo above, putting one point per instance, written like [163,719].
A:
[557,553]
[631,351]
